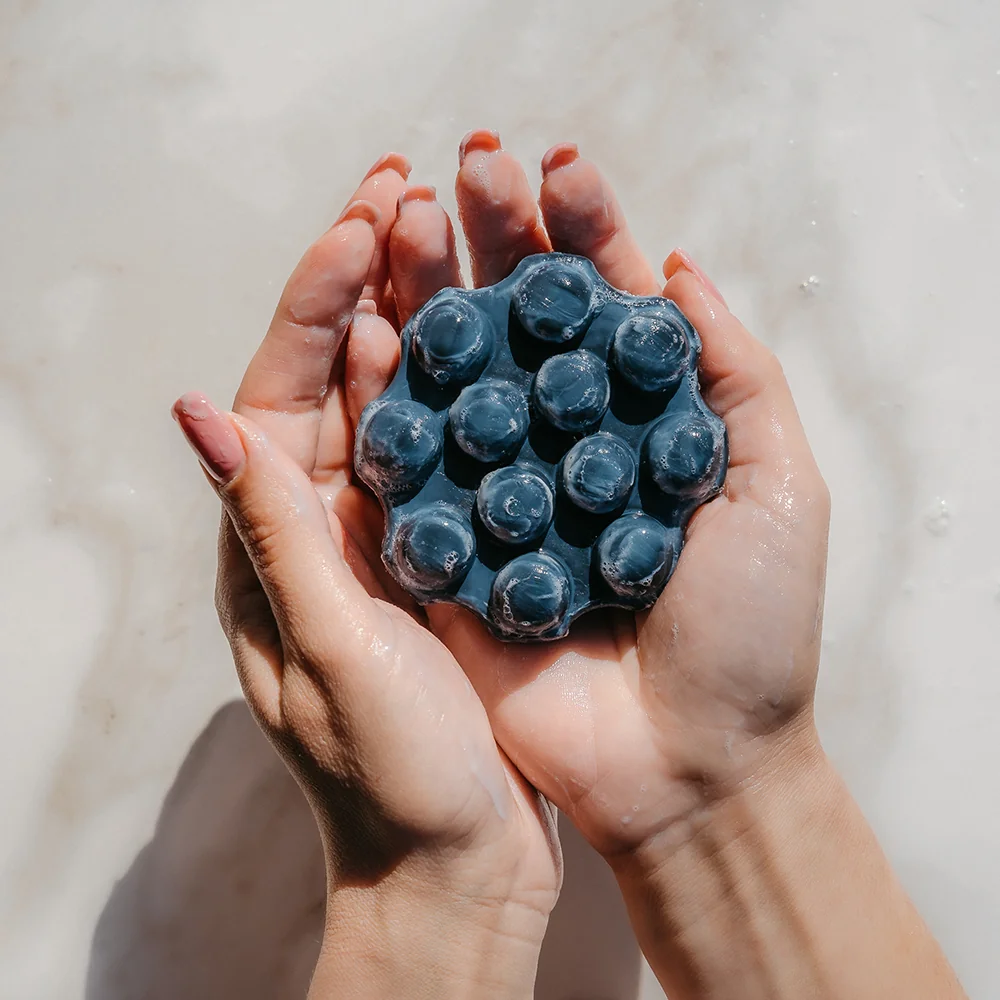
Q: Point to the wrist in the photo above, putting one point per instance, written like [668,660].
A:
[416,934]
[719,887]
[750,791]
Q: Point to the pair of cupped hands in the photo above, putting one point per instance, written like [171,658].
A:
[431,752]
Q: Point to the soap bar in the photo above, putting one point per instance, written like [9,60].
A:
[541,448]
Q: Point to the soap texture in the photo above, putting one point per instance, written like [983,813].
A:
[541,448]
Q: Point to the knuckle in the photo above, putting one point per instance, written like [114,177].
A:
[264,538]
[771,369]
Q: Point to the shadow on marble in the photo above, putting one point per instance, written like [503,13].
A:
[227,898]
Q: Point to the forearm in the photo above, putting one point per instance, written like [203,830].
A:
[407,941]
[781,891]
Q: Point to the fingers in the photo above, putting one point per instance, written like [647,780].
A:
[422,254]
[288,377]
[582,216]
[372,358]
[743,383]
[679,259]
[361,378]
[497,208]
[321,610]
[382,186]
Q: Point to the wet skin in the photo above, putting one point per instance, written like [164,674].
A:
[679,740]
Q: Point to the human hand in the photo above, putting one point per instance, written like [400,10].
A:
[634,723]
[442,861]
[681,740]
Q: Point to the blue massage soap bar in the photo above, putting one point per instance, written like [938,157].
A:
[541,448]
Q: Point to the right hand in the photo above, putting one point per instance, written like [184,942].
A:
[633,724]
[681,740]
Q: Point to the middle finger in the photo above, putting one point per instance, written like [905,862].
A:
[497,208]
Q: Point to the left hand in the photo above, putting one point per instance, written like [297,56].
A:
[443,863]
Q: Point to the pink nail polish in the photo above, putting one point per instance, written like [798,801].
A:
[559,156]
[681,259]
[391,161]
[482,139]
[419,192]
[211,435]
[361,209]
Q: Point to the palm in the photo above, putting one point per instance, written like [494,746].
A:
[601,721]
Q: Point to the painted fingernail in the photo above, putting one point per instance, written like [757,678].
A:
[681,259]
[391,161]
[361,209]
[482,139]
[419,192]
[559,156]
[211,435]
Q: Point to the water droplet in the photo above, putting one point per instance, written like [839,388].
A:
[811,285]
[937,520]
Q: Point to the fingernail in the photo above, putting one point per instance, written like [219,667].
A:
[681,259]
[211,435]
[419,192]
[361,209]
[391,161]
[483,139]
[366,307]
[559,156]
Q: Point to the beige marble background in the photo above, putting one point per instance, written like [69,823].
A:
[836,168]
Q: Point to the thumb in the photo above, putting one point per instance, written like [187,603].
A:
[319,607]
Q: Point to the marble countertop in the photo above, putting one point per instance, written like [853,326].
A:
[835,167]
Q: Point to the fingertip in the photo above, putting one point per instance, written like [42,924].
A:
[558,156]
[211,435]
[679,259]
[482,140]
[391,161]
[362,209]
[417,192]
[189,402]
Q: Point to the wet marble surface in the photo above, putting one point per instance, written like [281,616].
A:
[834,167]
